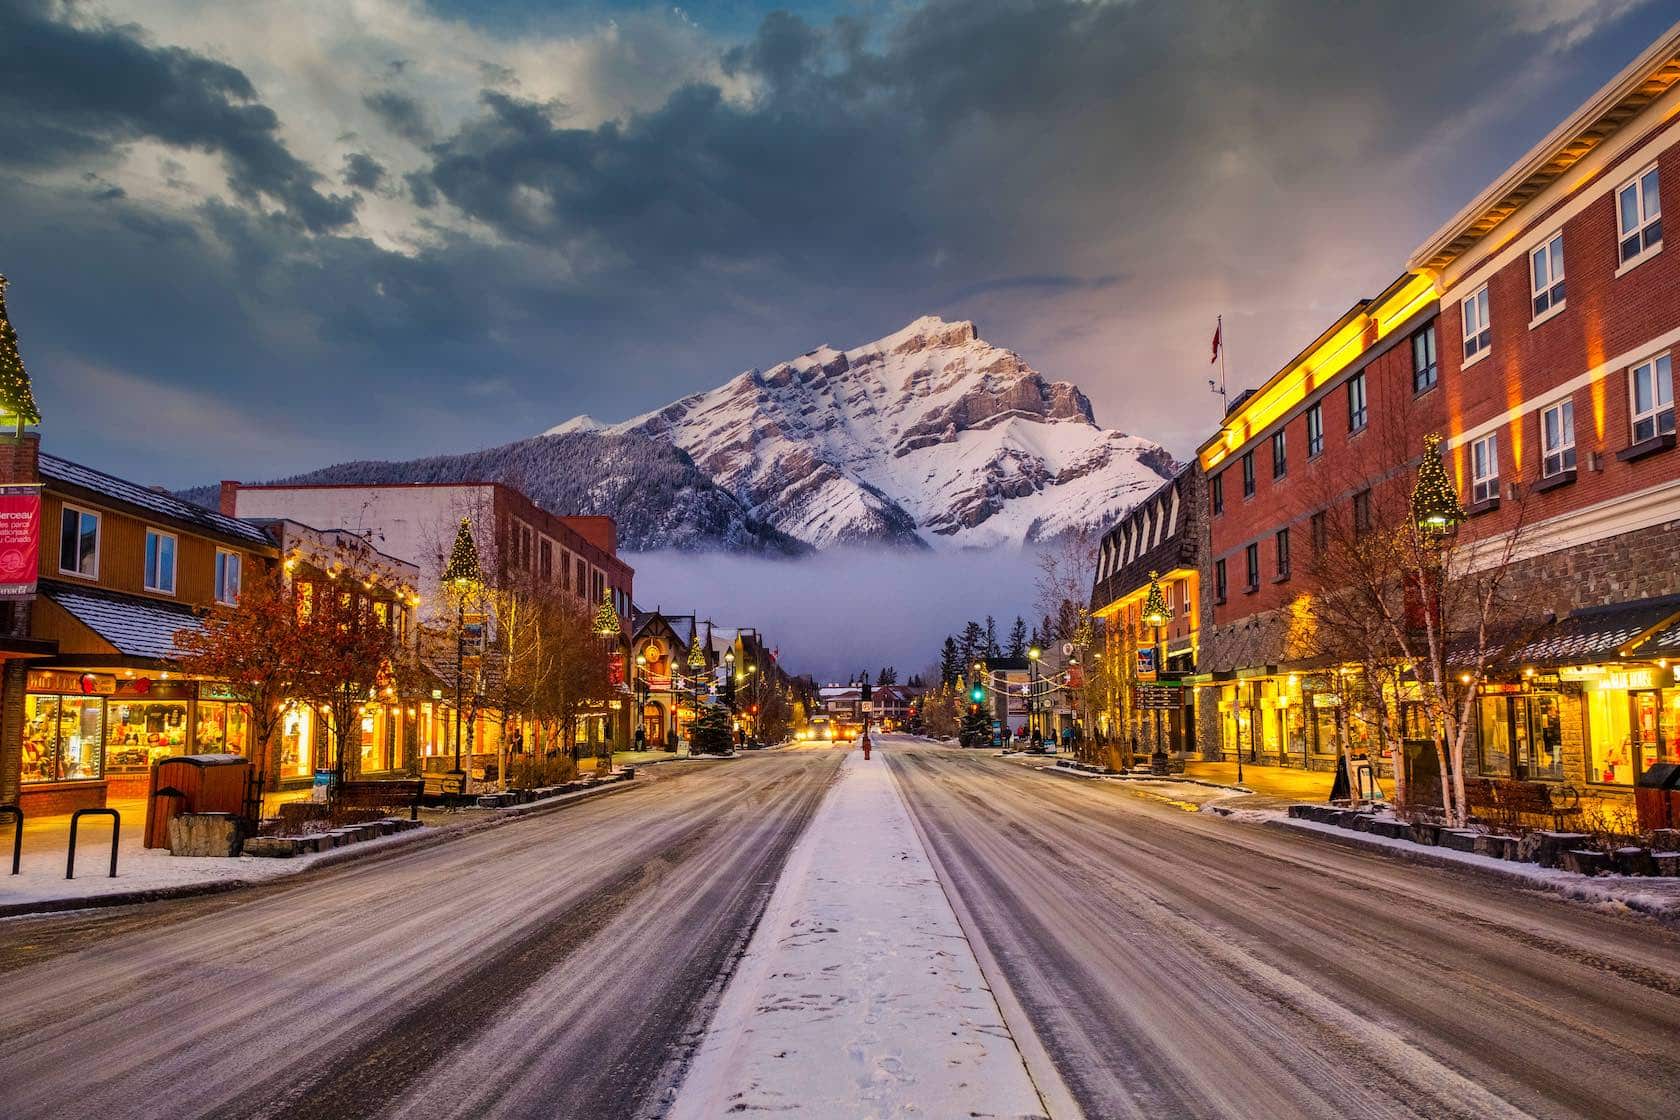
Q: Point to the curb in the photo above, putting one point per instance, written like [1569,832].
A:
[413,841]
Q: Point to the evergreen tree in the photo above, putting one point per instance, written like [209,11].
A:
[976,727]
[992,649]
[973,644]
[1018,638]
[711,734]
[16,397]
[887,675]
[950,661]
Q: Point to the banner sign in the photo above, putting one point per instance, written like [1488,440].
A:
[1146,663]
[20,540]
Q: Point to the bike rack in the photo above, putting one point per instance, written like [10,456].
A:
[116,831]
[17,834]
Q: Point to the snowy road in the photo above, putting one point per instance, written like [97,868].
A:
[560,966]
[1181,965]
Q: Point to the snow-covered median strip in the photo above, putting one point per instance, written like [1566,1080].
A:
[859,995]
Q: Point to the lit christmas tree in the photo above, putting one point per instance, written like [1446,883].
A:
[1435,507]
[606,617]
[462,570]
[17,399]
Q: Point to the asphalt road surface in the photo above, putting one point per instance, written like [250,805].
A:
[1180,965]
[558,966]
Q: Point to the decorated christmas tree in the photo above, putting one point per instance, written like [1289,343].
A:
[462,569]
[606,617]
[976,727]
[17,399]
[712,733]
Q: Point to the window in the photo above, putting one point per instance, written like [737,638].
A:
[1216,492]
[78,543]
[1248,474]
[1557,439]
[1282,542]
[1478,334]
[1425,369]
[1251,559]
[228,570]
[1652,385]
[1484,468]
[545,559]
[1169,598]
[1280,454]
[1639,215]
[1356,402]
[1219,581]
[160,561]
[525,550]
[582,578]
[1320,529]
[1315,430]
[1545,270]
[1362,512]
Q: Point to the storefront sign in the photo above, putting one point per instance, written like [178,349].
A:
[20,540]
[1638,678]
[55,680]
[1326,700]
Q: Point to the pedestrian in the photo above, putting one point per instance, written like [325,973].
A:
[641,738]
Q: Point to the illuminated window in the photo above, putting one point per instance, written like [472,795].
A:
[1652,387]
[1315,430]
[78,543]
[1280,454]
[160,561]
[1357,414]
[1478,333]
[228,571]
[1425,369]
[1639,215]
[1248,474]
[1557,439]
[1484,468]
[1545,270]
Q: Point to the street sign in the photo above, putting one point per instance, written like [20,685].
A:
[1157,697]
[867,705]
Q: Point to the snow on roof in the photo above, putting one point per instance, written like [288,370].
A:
[133,625]
[132,493]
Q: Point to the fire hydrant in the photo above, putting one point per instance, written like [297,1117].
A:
[865,742]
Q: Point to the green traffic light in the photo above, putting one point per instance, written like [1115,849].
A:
[978,695]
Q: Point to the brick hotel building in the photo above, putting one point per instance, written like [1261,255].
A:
[1535,332]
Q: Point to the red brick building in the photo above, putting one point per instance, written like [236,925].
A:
[1534,332]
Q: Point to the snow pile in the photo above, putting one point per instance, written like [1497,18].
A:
[859,995]
[929,435]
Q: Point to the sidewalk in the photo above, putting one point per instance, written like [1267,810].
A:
[1270,784]
[859,995]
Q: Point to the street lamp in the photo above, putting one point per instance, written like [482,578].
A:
[607,629]
[1155,615]
[1437,514]
[642,690]
[461,574]
[1033,655]
[696,666]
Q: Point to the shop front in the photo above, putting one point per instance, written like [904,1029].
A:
[99,734]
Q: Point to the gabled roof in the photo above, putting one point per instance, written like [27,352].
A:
[157,502]
[134,626]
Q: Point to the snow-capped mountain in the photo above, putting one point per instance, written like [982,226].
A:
[930,435]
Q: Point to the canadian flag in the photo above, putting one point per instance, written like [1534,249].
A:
[1218,329]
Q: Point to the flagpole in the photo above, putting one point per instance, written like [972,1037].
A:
[1224,391]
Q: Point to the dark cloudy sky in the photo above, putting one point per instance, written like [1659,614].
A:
[247,238]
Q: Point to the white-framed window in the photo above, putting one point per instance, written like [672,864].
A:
[78,543]
[1557,439]
[1357,413]
[1484,468]
[1651,385]
[160,561]
[1639,215]
[1169,597]
[1545,273]
[229,568]
[1426,368]
[1478,331]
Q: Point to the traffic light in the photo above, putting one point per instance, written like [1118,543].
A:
[978,693]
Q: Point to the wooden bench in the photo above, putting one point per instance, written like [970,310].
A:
[1507,800]
[382,796]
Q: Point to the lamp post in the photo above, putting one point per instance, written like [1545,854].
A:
[461,574]
[1155,615]
[1437,514]
[608,630]
[1033,655]
[696,666]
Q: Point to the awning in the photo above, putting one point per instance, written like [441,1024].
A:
[1664,643]
[133,625]
[1605,633]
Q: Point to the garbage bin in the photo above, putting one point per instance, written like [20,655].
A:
[194,783]
[1656,796]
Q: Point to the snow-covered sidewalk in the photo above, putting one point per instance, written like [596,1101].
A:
[858,996]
